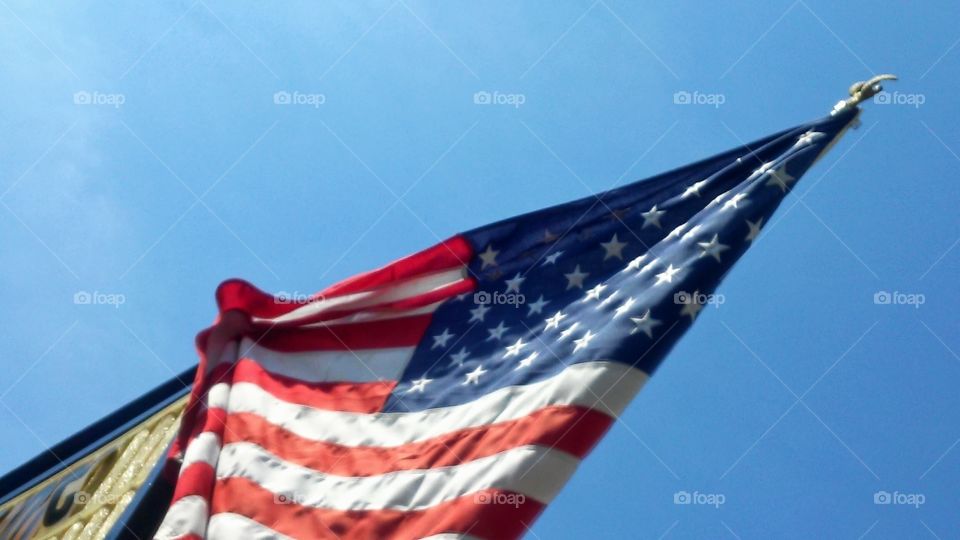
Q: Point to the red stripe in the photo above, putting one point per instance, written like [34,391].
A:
[212,420]
[197,479]
[463,515]
[572,429]
[450,253]
[338,396]
[382,334]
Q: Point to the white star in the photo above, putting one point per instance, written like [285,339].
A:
[552,259]
[460,357]
[513,285]
[692,305]
[635,264]
[624,307]
[554,322]
[441,339]
[584,341]
[644,324]
[608,299]
[536,307]
[754,229]
[694,189]
[497,333]
[713,248]
[692,232]
[528,360]
[478,313]
[652,217]
[650,265]
[566,333]
[419,385]
[575,278]
[808,138]
[594,293]
[514,350]
[474,376]
[613,248]
[716,200]
[489,257]
[734,201]
[678,231]
[763,169]
[667,275]
[780,178]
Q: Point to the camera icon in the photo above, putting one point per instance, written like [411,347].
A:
[82,98]
[882,297]
[482,98]
[883,98]
[882,497]
[682,297]
[481,297]
[681,497]
[682,98]
[282,498]
[81,497]
[281,98]
[482,498]
[82,298]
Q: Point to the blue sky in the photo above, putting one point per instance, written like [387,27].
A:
[173,168]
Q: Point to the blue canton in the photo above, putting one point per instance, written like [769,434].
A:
[617,277]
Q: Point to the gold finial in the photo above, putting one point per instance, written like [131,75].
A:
[863,90]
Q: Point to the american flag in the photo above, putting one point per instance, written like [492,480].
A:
[452,393]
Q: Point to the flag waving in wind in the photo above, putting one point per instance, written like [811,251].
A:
[452,393]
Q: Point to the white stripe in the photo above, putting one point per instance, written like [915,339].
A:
[390,293]
[361,365]
[605,386]
[218,397]
[230,526]
[366,316]
[536,472]
[186,516]
[204,448]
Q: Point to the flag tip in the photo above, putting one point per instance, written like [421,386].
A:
[861,91]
